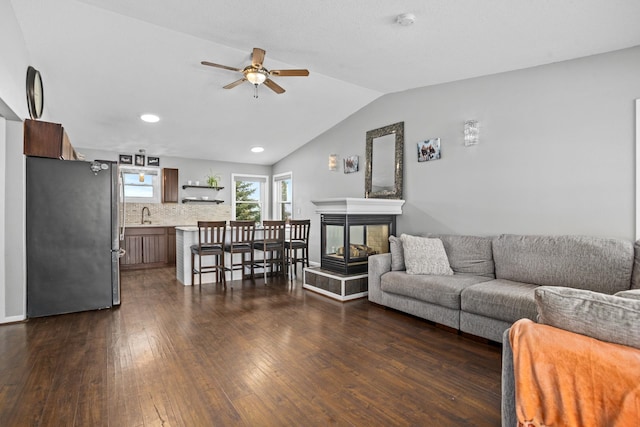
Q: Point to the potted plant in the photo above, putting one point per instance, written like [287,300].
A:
[212,179]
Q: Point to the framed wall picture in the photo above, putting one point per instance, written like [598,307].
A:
[139,159]
[125,159]
[153,161]
[351,164]
[429,150]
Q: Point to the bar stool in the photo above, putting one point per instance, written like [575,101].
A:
[242,234]
[298,241]
[211,235]
[272,247]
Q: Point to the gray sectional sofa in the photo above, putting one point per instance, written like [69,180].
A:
[494,278]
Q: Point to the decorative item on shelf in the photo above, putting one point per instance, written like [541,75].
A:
[333,162]
[471,132]
[212,179]
[429,150]
[351,164]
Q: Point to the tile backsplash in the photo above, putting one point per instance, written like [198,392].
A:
[176,213]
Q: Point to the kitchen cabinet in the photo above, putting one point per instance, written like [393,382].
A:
[169,185]
[148,247]
[45,139]
[171,245]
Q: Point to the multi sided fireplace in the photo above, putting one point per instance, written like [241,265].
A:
[352,229]
[347,241]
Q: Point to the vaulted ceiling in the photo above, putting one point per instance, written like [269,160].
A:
[105,62]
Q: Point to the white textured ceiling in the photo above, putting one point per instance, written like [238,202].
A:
[104,62]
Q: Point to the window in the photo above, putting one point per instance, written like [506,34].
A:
[283,196]
[141,185]
[249,197]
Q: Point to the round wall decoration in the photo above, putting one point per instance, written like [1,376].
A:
[35,96]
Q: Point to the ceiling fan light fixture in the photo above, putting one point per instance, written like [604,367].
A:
[256,77]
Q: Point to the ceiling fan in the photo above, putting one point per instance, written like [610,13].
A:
[256,74]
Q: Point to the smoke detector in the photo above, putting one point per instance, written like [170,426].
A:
[405,19]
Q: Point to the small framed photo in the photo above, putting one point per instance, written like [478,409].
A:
[153,161]
[125,159]
[139,159]
[351,164]
[429,150]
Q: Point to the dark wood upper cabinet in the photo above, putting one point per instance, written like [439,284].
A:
[45,139]
[169,185]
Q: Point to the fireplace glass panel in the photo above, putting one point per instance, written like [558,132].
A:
[349,241]
[335,236]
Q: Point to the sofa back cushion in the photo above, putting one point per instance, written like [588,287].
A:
[592,263]
[469,254]
[635,277]
[604,317]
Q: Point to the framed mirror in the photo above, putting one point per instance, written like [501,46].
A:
[383,162]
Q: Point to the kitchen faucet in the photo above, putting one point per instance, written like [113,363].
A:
[142,220]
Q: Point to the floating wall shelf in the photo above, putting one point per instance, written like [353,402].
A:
[201,201]
[184,187]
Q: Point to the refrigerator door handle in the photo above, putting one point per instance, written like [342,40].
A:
[121,252]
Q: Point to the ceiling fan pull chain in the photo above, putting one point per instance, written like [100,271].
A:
[255,91]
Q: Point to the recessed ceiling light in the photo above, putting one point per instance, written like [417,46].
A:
[257,149]
[150,118]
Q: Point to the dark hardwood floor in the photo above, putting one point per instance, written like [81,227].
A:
[256,355]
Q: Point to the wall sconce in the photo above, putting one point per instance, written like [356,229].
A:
[333,162]
[471,132]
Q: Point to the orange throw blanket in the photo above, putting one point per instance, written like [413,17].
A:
[567,379]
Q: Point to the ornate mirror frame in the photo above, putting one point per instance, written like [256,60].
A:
[396,193]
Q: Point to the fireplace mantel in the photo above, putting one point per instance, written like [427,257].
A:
[358,206]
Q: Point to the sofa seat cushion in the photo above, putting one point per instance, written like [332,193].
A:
[441,290]
[582,262]
[501,299]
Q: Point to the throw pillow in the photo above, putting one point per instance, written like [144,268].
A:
[397,253]
[601,316]
[423,255]
[631,293]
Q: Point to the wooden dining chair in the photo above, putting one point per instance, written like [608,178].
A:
[241,242]
[297,244]
[211,237]
[272,247]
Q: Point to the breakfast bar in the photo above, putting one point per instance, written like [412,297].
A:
[187,236]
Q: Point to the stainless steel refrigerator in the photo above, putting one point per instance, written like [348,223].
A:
[72,237]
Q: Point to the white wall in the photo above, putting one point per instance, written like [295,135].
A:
[13,108]
[191,169]
[15,248]
[556,154]
[14,63]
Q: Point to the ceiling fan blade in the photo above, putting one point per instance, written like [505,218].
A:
[285,73]
[234,84]
[257,57]
[274,86]
[211,64]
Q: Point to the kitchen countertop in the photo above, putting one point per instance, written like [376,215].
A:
[157,225]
